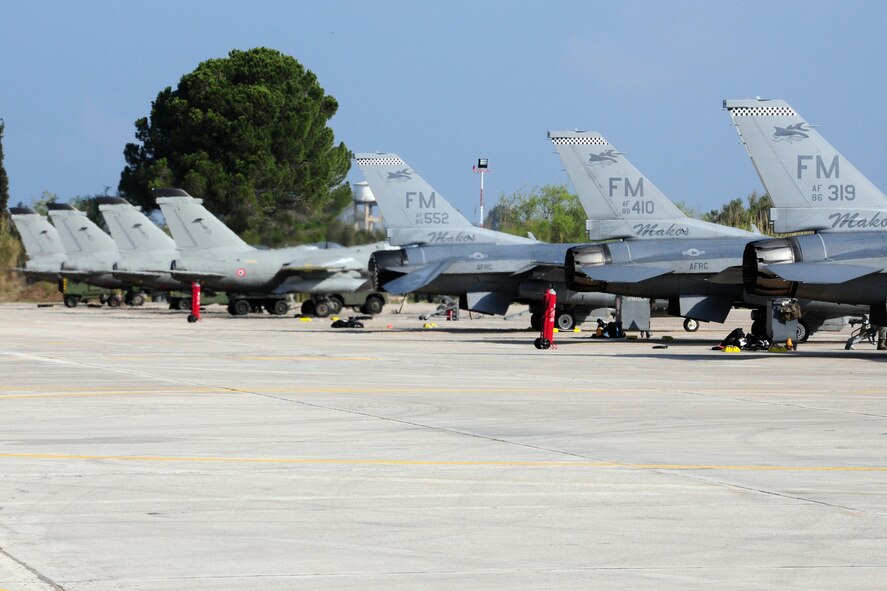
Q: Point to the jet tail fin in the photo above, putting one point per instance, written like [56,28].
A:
[39,237]
[131,230]
[413,211]
[79,234]
[193,227]
[812,185]
[621,202]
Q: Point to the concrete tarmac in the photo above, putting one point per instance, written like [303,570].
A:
[140,452]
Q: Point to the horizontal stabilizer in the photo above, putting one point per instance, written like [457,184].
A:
[623,273]
[417,279]
[729,276]
[825,272]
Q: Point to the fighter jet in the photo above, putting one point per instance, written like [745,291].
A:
[660,252]
[209,252]
[144,249]
[90,253]
[443,253]
[43,247]
[814,189]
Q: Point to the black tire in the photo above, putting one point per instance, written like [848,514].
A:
[691,324]
[192,318]
[338,324]
[279,307]
[240,307]
[137,299]
[564,321]
[536,321]
[759,328]
[71,301]
[114,301]
[803,332]
[538,342]
[322,309]
[184,304]
[336,304]
[308,308]
[374,305]
[544,343]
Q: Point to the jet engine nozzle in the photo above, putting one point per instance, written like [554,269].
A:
[761,281]
[578,257]
[385,266]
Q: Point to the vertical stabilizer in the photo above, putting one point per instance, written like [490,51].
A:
[193,227]
[39,237]
[621,202]
[812,185]
[413,211]
[79,234]
[133,231]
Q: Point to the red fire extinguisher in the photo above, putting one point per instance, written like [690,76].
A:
[546,338]
[194,316]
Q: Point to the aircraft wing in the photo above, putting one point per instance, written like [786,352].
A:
[309,269]
[623,273]
[826,272]
[189,276]
[137,276]
[729,276]
[417,279]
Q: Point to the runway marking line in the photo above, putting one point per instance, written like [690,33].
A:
[390,462]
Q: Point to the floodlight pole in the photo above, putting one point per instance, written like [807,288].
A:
[481,167]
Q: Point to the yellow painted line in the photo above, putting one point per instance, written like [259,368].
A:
[282,358]
[99,393]
[393,462]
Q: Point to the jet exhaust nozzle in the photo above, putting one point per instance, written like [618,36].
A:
[578,257]
[385,265]
[757,255]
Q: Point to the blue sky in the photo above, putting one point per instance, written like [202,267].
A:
[442,83]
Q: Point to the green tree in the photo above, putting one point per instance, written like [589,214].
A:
[550,212]
[248,134]
[4,180]
[735,213]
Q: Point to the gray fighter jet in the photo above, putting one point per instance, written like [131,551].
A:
[90,254]
[43,247]
[443,253]
[209,252]
[814,189]
[660,252]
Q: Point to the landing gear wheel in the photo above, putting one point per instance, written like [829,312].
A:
[137,299]
[535,321]
[335,304]
[184,304]
[322,309]
[373,305]
[114,301]
[691,325]
[803,332]
[759,329]
[240,307]
[71,301]
[564,321]
[308,308]
[278,308]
